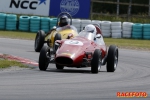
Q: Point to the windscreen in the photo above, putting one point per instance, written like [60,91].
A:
[66,27]
[87,35]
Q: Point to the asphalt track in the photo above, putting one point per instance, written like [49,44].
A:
[132,75]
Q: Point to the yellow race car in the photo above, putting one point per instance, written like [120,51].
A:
[62,30]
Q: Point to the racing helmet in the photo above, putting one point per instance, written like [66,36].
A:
[64,20]
[90,28]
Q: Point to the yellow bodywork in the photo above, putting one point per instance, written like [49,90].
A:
[64,35]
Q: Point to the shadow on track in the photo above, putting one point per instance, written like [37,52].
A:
[73,70]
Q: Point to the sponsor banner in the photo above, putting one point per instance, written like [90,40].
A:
[77,8]
[33,7]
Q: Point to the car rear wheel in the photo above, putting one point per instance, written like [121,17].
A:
[57,37]
[39,40]
[59,66]
[112,58]
[44,58]
[96,61]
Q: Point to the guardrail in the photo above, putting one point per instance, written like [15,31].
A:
[109,29]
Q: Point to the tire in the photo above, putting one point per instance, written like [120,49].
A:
[44,58]
[59,66]
[96,61]
[39,40]
[57,37]
[112,58]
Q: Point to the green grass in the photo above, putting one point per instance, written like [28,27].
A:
[129,43]
[4,63]
[122,43]
[18,35]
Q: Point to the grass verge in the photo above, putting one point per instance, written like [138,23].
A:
[4,63]
[17,35]
[122,43]
[129,43]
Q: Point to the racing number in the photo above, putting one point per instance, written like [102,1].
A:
[73,42]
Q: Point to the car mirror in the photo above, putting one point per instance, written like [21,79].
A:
[83,27]
[57,42]
[54,27]
[98,36]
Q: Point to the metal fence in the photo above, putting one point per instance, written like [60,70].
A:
[127,15]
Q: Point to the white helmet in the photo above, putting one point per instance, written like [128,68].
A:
[90,28]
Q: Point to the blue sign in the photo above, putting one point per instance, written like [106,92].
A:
[77,8]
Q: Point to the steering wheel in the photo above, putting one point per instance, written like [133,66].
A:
[64,13]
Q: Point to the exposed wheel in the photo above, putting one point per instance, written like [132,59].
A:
[59,66]
[57,37]
[44,58]
[112,58]
[96,61]
[39,40]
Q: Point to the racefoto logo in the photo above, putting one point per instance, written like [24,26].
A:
[70,6]
[26,4]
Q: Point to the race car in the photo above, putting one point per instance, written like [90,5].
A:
[63,30]
[81,51]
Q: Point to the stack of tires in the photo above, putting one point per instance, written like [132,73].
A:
[84,23]
[2,21]
[97,22]
[137,31]
[11,22]
[45,24]
[146,31]
[24,23]
[127,29]
[53,22]
[77,23]
[116,29]
[106,28]
[34,23]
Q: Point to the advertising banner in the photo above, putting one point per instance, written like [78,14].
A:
[32,7]
[77,8]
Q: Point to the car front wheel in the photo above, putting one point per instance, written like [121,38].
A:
[39,40]
[96,61]
[112,58]
[44,58]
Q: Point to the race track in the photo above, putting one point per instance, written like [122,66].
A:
[132,75]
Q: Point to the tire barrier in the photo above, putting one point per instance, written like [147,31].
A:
[106,29]
[77,24]
[11,22]
[137,31]
[45,24]
[127,29]
[84,23]
[53,22]
[146,31]
[34,23]
[24,23]
[2,20]
[116,30]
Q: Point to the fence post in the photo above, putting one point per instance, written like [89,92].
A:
[91,10]
[129,10]
[118,8]
[149,8]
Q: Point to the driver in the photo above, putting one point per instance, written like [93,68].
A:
[64,20]
[97,36]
